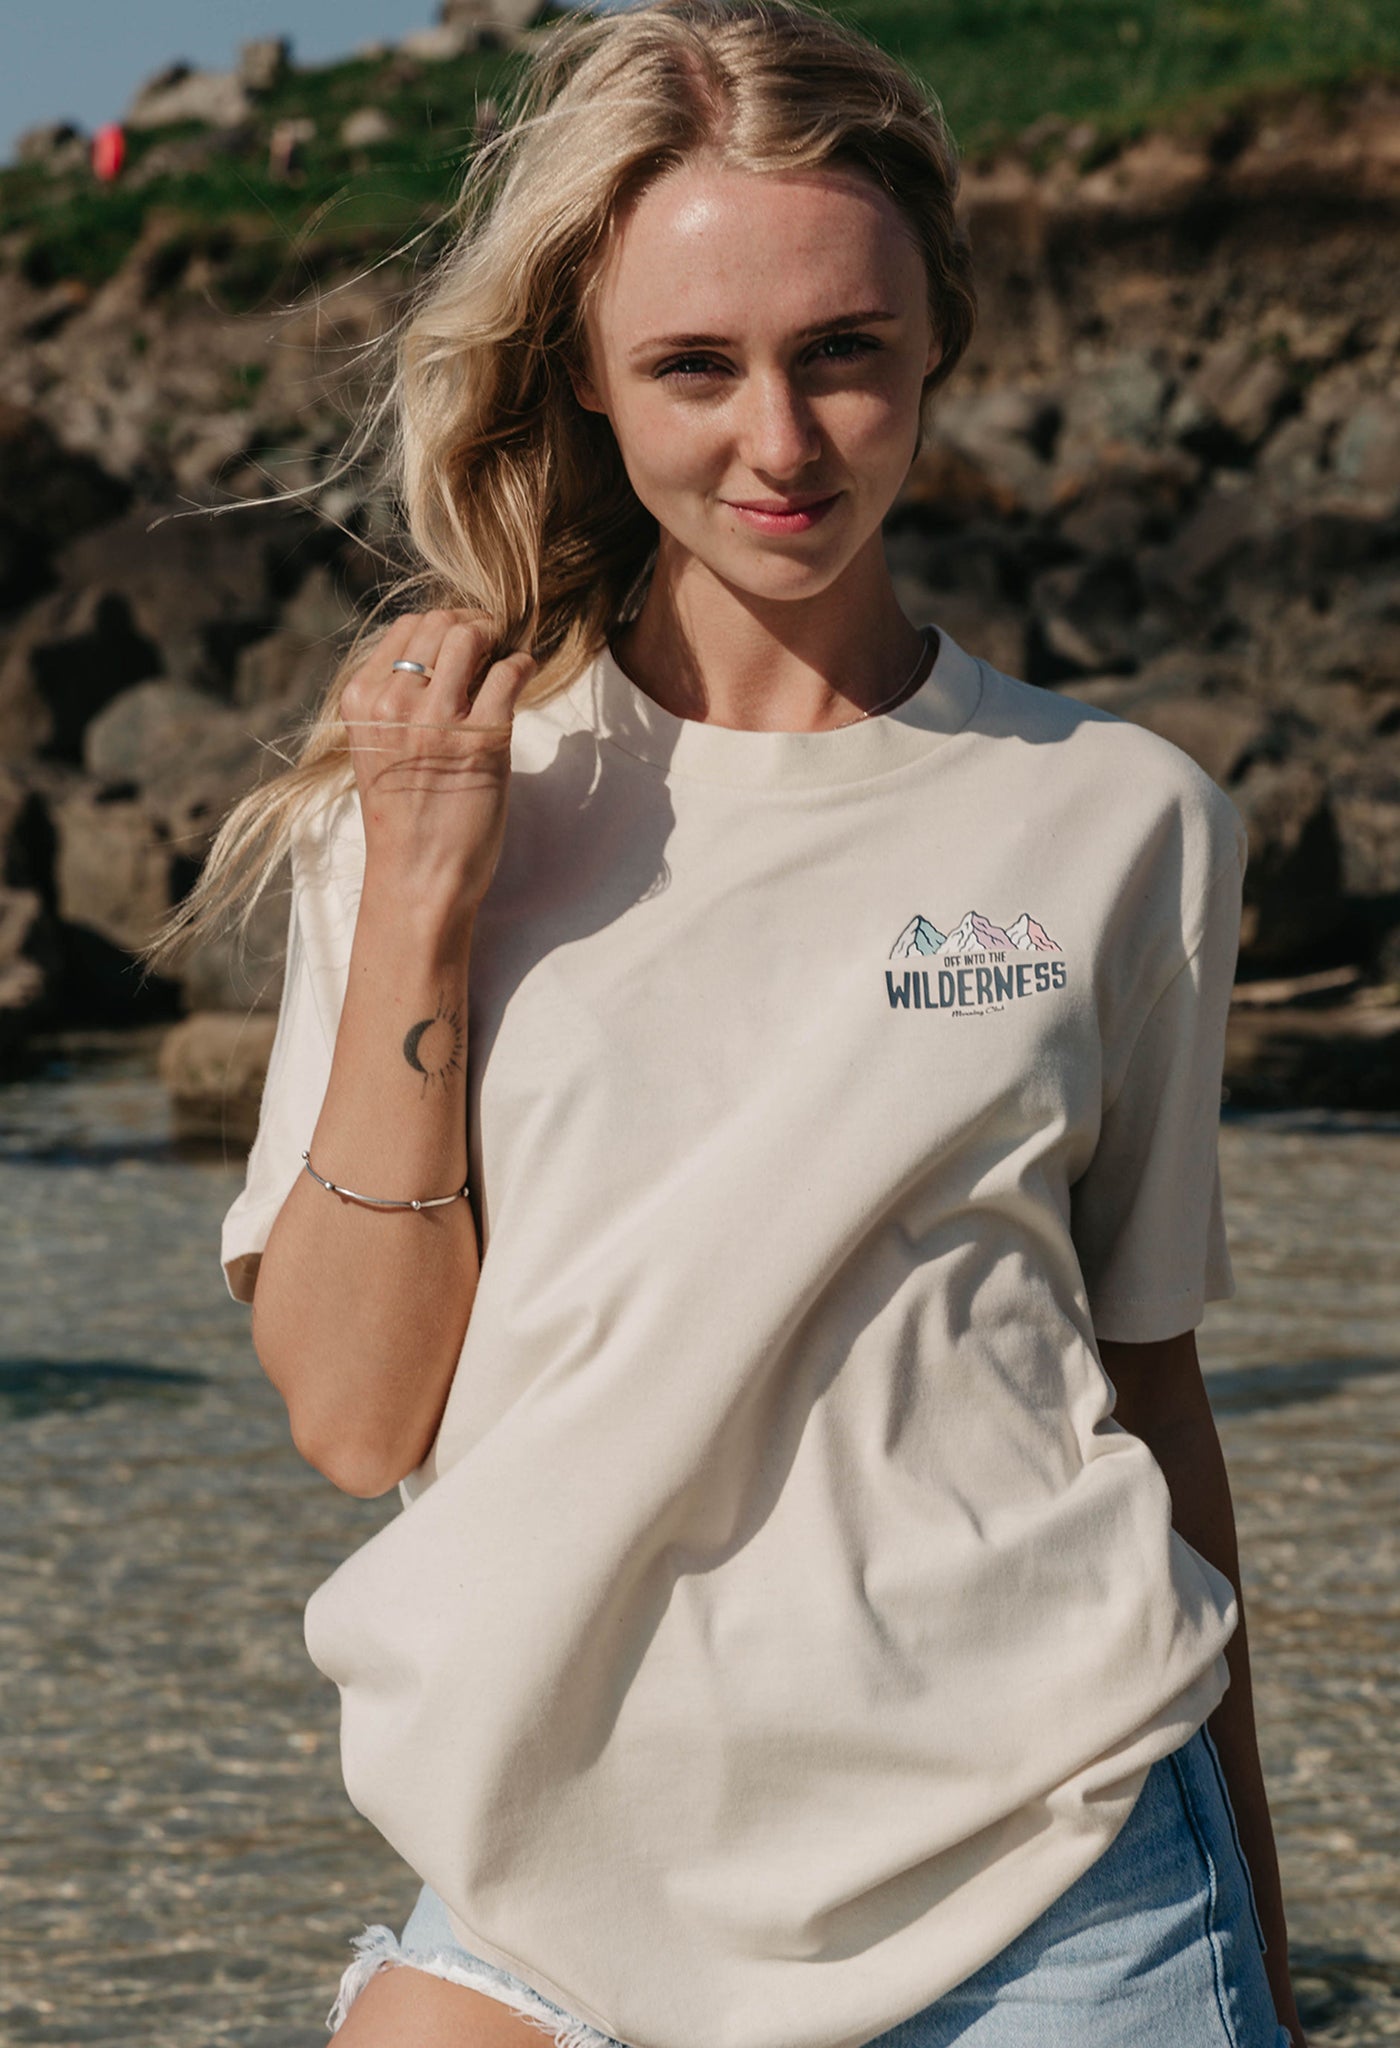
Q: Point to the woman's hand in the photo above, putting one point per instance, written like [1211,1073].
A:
[432,756]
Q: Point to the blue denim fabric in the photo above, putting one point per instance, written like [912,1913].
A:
[1158,1944]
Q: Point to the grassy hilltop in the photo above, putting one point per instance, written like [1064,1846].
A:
[1000,66]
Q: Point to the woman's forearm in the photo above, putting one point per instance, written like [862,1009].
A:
[1162,1399]
[1232,1727]
[359,1313]
[1194,1466]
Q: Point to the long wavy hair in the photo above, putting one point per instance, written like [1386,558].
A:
[514,497]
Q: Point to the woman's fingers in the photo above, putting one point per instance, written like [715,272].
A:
[430,630]
[495,701]
[392,645]
[457,667]
[462,688]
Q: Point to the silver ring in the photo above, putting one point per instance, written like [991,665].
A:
[413,668]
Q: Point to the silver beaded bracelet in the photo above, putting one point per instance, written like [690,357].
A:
[380,1201]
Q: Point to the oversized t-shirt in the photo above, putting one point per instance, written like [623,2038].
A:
[781,1622]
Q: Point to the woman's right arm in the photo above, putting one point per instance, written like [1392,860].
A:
[359,1313]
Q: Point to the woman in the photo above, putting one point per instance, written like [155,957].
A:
[813,1610]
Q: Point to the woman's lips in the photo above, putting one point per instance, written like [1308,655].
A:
[774,515]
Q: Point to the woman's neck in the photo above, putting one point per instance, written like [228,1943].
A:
[703,650]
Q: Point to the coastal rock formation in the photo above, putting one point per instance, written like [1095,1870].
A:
[1166,481]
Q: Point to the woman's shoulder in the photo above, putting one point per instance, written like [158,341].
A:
[1107,764]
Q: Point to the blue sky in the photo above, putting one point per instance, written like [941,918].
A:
[81,60]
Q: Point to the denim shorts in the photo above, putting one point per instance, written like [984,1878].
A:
[1158,1942]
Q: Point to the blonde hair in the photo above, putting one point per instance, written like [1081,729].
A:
[516,501]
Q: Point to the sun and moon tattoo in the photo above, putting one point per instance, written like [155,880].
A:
[435,1046]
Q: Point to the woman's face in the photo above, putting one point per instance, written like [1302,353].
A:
[759,342]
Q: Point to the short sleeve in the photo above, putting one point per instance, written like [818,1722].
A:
[1147,1215]
[327,870]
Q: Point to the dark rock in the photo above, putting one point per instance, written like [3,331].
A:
[214,1066]
[293,665]
[285,669]
[202,588]
[264,63]
[366,128]
[116,876]
[1347,1057]
[1330,545]
[1354,640]
[49,492]
[490,19]
[1233,401]
[947,480]
[987,450]
[153,733]
[1120,401]
[180,156]
[216,98]
[1333,706]
[1294,457]
[1366,805]
[1366,451]
[24,565]
[1221,531]
[233,971]
[72,654]
[1126,502]
[98,984]
[189,800]
[1293,884]
[1086,615]
[440,44]
[54,146]
[27,842]
[26,988]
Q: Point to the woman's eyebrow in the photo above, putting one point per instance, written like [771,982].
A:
[839,324]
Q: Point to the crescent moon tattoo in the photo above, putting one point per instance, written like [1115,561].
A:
[441,1057]
[410,1045]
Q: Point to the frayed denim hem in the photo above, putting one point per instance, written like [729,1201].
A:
[379,1945]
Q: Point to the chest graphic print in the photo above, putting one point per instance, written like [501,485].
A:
[979,967]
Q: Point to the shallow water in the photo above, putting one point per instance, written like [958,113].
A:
[181,1865]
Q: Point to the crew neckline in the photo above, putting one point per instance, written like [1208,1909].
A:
[943,705]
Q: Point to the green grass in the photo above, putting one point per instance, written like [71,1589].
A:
[265,234]
[998,66]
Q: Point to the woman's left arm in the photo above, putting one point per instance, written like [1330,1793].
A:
[1162,1400]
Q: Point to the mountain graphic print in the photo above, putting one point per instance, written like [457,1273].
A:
[974,934]
[976,969]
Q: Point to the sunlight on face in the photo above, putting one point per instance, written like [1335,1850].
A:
[759,343]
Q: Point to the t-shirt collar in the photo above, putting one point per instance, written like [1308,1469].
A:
[944,704]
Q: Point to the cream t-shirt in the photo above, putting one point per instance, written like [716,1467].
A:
[781,1622]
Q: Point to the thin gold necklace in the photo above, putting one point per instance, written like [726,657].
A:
[903,691]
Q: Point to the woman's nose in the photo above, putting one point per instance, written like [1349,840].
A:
[779,436]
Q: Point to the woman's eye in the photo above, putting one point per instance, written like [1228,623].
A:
[846,348]
[689,366]
[833,348]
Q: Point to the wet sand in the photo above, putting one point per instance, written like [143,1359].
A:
[180,1863]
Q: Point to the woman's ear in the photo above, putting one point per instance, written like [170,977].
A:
[585,390]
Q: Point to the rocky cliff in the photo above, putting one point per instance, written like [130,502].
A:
[1167,480]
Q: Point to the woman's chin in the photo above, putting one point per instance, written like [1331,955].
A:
[782,575]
